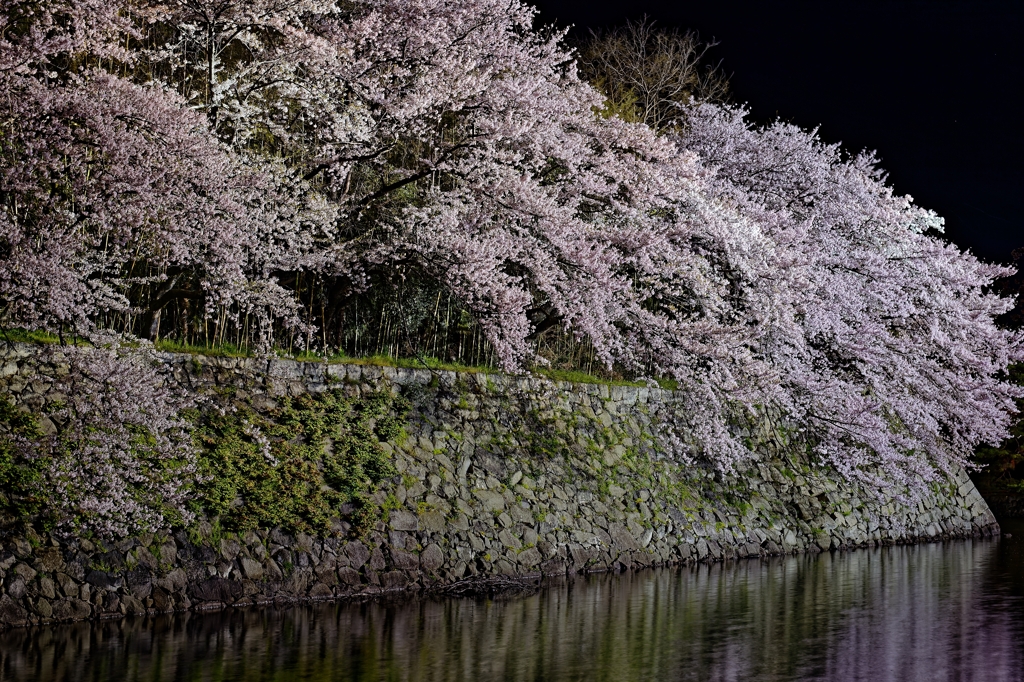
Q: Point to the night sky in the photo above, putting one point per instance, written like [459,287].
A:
[936,87]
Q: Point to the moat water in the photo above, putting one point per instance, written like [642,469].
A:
[950,611]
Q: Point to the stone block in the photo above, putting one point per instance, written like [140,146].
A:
[508,539]
[12,613]
[229,548]
[168,554]
[162,600]
[789,540]
[47,588]
[505,567]
[349,576]
[71,609]
[580,557]
[357,554]
[405,561]
[296,584]
[49,559]
[16,587]
[432,521]
[216,590]
[621,538]
[272,571]
[530,557]
[146,559]
[642,558]
[25,571]
[131,605]
[394,580]
[252,568]
[42,607]
[178,579]
[490,500]
[320,591]
[67,584]
[403,520]
[432,558]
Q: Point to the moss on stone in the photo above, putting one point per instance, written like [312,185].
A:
[313,458]
[22,494]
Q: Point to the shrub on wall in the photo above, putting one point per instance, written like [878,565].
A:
[312,459]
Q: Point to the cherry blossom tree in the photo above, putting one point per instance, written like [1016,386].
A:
[888,351]
[224,152]
[117,196]
[455,137]
[122,460]
[488,169]
[114,196]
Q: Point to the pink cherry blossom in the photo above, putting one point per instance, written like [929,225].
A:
[221,151]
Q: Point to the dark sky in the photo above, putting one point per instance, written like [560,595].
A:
[935,86]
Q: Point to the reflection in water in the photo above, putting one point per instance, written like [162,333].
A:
[934,612]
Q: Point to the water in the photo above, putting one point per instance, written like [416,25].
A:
[951,611]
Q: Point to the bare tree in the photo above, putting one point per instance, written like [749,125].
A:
[648,74]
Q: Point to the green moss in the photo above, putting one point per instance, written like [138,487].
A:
[22,494]
[391,504]
[231,350]
[225,350]
[321,458]
[428,362]
[425,362]
[19,335]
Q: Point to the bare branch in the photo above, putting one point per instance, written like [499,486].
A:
[649,74]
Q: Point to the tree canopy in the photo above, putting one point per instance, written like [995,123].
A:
[274,170]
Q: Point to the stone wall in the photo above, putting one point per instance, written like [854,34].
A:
[498,476]
[1006,505]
